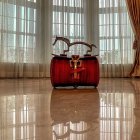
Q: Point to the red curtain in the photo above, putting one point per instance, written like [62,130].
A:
[134,12]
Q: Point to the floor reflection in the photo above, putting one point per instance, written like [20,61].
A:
[24,107]
[136,134]
[116,116]
[75,114]
[117,102]
[32,110]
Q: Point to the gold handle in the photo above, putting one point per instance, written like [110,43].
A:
[67,41]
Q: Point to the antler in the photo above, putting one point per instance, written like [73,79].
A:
[84,43]
[66,40]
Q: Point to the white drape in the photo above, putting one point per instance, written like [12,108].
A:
[116,37]
[28,28]
[23,40]
[69,20]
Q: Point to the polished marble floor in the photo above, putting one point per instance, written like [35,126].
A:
[30,109]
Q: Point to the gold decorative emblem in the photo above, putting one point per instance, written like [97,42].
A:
[75,63]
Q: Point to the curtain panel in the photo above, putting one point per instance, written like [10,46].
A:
[23,40]
[134,12]
[28,29]
[70,21]
[115,37]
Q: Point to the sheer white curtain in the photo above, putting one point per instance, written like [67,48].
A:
[69,20]
[116,37]
[28,28]
[23,40]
